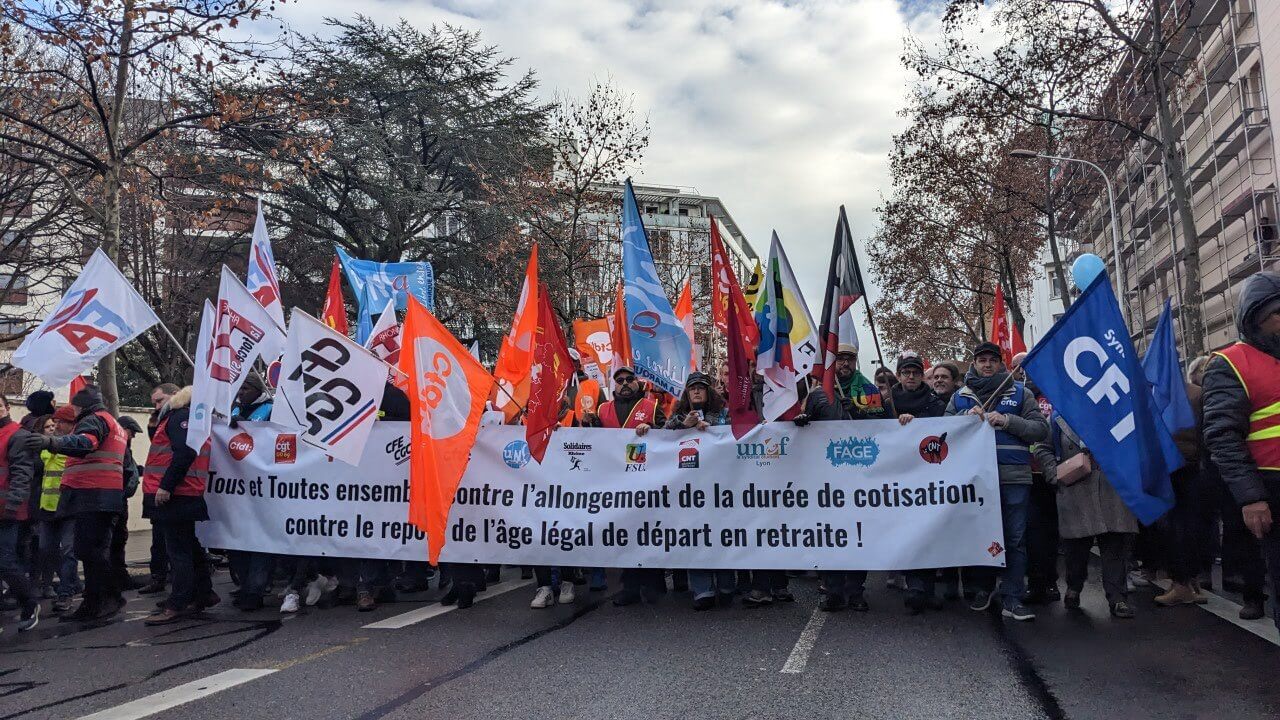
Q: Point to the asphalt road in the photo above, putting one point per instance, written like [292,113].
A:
[500,659]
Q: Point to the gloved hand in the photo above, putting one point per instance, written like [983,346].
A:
[801,420]
[35,443]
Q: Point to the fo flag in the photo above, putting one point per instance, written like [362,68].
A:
[447,392]
[200,422]
[844,288]
[329,388]
[242,333]
[261,277]
[375,283]
[100,312]
[1088,368]
[384,342]
[660,349]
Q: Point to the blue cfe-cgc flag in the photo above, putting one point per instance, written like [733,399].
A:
[374,283]
[1163,369]
[1087,367]
[660,347]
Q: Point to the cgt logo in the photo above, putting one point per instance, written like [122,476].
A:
[933,449]
[688,456]
[240,446]
[286,448]
[995,549]
[853,451]
[637,456]
[516,454]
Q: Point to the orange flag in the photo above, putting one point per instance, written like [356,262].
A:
[1004,333]
[618,327]
[516,352]
[334,313]
[447,392]
[727,297]
[595,346]
[684,313]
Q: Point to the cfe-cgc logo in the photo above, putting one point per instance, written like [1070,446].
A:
[853,451]
[933,449]
[688,456]
[516,454]
[240,446]
[576,452]
[995,548]
[636,457]
[765,452]
[286,448]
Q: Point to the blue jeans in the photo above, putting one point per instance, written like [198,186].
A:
[706,583]
[1015,504]
[11,568]
[57,553]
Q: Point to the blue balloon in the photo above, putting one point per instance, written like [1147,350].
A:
[1086,269]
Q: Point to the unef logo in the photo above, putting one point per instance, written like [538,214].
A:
[764,453]
[933,449]
[445,399]
[85,320]
[637,456]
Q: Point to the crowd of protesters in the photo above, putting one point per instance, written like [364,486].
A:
[66,474]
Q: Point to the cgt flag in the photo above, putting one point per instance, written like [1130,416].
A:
[1088,368]
[261,277]
[99,313]
[660,349]
[515,354]
[330,388]
[1004,333]
[550,374]
[334,312]
[684,313]
[447,392]
[727,297]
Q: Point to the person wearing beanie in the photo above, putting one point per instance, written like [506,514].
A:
[1240,400]
[93,493]
[40,402]
[1009,407]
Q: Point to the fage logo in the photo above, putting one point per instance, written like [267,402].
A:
[853,451]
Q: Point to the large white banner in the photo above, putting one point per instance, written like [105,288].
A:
[867,495]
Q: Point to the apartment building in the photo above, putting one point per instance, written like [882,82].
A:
[1222,112]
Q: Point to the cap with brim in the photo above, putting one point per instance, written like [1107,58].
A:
[986,348]
[623,369]
[912,360]
[698,378]
[846,349]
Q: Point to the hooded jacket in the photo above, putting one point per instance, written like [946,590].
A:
[176,414]
[1027,426]
[1227,408]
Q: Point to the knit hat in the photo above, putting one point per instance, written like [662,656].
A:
[66,413]
[88,397]
[40,402]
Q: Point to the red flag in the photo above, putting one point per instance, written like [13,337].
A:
[334,313]
[618,326]
[684,313]
[78,383]
[549,375]
[738,381]
[1003,332]
[724,292]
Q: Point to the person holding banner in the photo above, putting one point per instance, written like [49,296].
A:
[93,494]
[1008,406]
[1242,415]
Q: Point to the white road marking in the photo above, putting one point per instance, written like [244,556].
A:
[412,617]
[179,695]
[1224,608]
[799,657]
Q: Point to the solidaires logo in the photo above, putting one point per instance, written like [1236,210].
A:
[853,451]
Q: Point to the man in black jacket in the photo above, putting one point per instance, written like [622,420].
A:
[1241,389]
[17,467]
[912,399]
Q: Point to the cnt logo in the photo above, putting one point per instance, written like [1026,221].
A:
[933,449]
[636,457]
[240,446]
[688,456]
[286,448]
[516,454]
[853,451]
[765,452]
[577,452]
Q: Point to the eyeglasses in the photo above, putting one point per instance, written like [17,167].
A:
[625,380]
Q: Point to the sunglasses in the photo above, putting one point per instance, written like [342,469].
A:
[626,380]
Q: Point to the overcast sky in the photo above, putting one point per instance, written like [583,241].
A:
[784,110]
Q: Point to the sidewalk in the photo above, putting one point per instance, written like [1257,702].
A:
[137,552]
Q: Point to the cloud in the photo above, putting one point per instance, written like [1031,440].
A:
[783,109]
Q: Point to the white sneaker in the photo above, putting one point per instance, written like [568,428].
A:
[290,604]
[543,598]
[566,593]
[315,590]
[330,583]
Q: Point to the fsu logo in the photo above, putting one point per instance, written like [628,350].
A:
[240,446]
[933,449]
[286,448]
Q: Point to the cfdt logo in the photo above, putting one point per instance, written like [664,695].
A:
[637,456]
[688,456]
[933,449]
[286,448]
[853,451]
[765,452]
[516,454]
[240,446]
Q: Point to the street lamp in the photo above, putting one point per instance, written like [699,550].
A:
[1115,220]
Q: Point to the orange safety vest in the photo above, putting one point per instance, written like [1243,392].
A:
[1259,373]
[587,400]
[642,413]
[6,434]
[102,469]
[159,457]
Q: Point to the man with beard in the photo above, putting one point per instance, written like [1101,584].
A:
[630,408]
[912,399]
[1009,407]
[1242,415]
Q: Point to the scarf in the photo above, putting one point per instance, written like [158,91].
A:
[985,387]
[862,394]
[921,402]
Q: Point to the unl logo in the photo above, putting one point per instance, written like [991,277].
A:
[85,320]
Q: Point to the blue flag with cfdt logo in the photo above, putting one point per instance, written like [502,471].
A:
[1087,367]
[375,283]
[660,347]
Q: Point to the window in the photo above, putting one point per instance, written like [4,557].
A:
[650,209]
[13,289]
[1055,289]
[684,212]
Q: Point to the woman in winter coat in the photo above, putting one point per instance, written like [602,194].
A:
[1089,512]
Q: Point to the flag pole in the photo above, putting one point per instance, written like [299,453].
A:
[866,296]
[872,323]
[177,344]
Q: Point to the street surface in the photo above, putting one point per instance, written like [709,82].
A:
[500,659]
